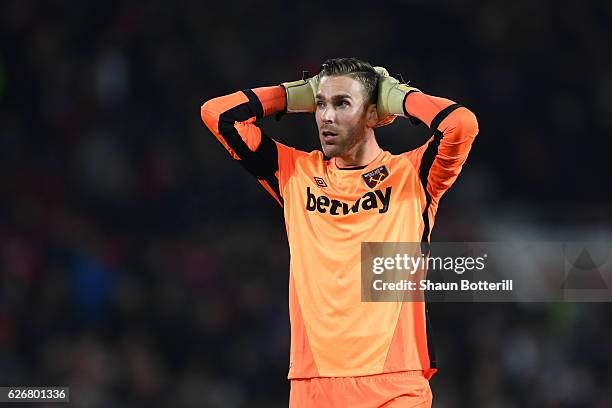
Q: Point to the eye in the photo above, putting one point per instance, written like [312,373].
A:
[320,104]
[344,104]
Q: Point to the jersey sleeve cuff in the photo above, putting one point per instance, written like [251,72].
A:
[272,99]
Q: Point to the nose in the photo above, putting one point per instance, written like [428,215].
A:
[327,115]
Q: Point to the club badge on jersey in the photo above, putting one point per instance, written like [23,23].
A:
[375,177]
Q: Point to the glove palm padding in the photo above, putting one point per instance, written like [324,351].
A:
[391,96]
[301,94]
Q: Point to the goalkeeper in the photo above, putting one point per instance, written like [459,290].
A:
[344,352]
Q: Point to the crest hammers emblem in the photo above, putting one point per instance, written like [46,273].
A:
[375,177]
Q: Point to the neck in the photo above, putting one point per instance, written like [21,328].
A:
[362,154]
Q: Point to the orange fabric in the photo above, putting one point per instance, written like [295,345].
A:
[425,107]
[458,129]
[272,98]
[408,326]
[393,390]
[300,347]
[212,110]
[349,337]
[328,213]
[269,189]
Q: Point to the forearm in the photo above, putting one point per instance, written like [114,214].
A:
[231,118]
[237,111]
[454,128]
[240,106]
[272,99]
[457,126]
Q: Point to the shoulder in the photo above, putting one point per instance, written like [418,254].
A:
[401,159]
[299,158]
[312,157]
[414,156]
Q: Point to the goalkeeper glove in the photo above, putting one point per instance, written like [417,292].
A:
[391,97]
[301,94]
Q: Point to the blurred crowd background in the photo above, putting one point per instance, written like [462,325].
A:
[143,268]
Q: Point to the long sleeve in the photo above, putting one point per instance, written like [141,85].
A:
[441,159]
[231,118]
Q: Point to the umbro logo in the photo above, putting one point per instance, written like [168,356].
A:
[375,177]
[320,182]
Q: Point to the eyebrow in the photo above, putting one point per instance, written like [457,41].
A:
[335,97]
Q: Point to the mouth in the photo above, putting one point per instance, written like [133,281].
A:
[328,135]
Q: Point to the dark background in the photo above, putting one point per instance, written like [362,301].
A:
[142,267]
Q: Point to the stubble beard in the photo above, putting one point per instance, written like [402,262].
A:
[346,146]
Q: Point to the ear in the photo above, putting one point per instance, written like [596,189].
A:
[371,116]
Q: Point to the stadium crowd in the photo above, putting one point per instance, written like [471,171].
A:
[115,278]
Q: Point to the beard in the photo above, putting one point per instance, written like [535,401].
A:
[344,143]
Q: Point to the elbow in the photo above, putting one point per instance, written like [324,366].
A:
[209,115]
[468,123]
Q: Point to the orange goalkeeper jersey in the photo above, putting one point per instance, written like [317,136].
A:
[329,211]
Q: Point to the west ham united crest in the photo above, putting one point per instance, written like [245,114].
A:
[375,177]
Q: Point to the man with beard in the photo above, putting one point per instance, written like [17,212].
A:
[345,352]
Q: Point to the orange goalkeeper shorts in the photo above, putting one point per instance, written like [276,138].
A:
[407,389]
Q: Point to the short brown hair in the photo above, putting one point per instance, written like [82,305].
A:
[358,70]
